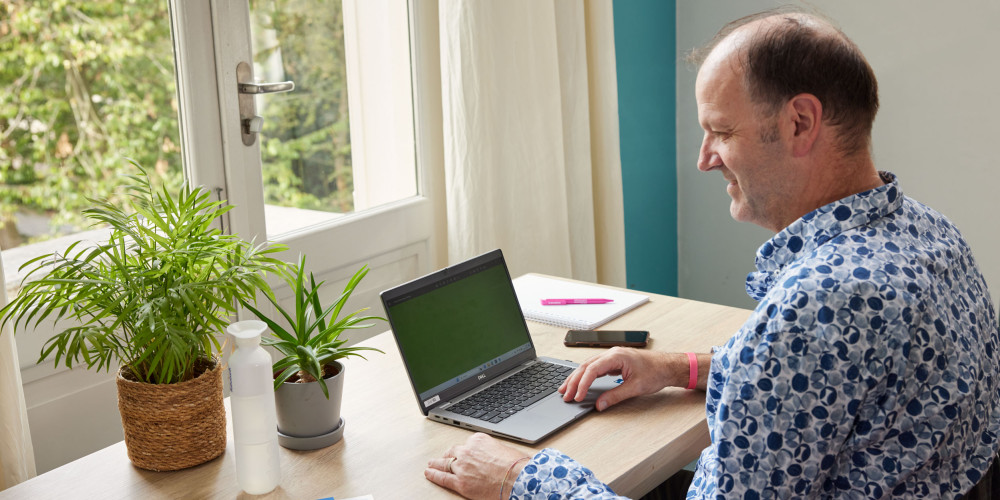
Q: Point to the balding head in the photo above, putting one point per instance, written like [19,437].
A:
[783,53]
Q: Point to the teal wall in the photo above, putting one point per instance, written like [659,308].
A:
[646,52]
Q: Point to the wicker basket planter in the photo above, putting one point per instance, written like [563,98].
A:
[173,426]
[154,295]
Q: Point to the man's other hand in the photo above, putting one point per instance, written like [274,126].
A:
[642,372]
[475,469]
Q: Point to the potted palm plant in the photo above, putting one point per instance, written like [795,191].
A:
[308,379]
[150,302]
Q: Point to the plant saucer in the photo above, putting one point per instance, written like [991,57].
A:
[312,442]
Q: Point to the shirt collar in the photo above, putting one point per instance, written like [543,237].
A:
[815,228]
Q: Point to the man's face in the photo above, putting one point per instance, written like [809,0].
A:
[742,141]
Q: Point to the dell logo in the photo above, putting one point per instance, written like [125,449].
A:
[482,376]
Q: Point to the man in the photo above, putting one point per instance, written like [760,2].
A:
[870,367]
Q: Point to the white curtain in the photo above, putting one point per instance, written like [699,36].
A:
[17,460]
[530,136]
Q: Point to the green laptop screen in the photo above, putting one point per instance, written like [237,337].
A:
[447,332]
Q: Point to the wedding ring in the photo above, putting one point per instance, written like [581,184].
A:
[451,460]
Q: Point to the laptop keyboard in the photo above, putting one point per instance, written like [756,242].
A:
[514,393]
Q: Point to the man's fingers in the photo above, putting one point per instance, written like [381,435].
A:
[586,379]
[594,370]
[440,464]
[568,387]
[441,478]
[578,383]
[564,389]
[573,383]
[614,396]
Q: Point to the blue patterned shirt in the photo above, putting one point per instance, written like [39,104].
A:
[869,367]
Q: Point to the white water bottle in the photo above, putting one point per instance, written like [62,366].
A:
[251,397]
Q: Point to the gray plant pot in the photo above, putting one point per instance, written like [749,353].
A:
[307,420]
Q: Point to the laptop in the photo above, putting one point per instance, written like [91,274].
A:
[467,351]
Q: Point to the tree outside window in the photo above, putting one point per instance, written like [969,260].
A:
[85,84]
[82,85]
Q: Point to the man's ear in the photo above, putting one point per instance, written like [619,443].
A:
[806,113]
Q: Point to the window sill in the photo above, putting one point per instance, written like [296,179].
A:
[14,258]
[280,220]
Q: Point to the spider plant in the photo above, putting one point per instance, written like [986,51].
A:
[154,296]
[312,340]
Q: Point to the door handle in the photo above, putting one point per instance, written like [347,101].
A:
[266,88]
[250,123]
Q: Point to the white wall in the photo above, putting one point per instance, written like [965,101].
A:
[938,128]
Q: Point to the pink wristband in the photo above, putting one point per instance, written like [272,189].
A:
[692,370]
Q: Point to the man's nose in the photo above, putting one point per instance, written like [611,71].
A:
[708,159]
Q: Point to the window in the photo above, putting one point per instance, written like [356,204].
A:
[333,174]
[196,133]
[82,85]
[306,148]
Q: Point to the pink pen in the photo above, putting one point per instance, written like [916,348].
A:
[566,302]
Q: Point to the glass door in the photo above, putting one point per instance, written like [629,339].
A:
[333,171]
[83,85]
[88,83]
[319,161]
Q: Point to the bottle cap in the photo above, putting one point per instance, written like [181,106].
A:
[247,332]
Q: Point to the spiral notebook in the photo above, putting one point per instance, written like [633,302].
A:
[532,288]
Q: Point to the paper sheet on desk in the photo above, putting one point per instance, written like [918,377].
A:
[531,289]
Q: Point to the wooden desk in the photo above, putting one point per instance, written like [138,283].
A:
[633,446]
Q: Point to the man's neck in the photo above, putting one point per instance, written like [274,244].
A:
[851,176]
[831,182]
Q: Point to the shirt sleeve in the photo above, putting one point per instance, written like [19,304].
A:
[552,475]
[784,411]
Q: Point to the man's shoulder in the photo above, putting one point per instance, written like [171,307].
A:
[905,249]
[863,277]
[875,273]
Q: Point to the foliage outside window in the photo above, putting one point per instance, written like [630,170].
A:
[306,149]
[82,85]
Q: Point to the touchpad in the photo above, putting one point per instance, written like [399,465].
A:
[599,386]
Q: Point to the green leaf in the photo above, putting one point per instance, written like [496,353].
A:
[154,295]
[308,362]
[317,308]
[313,337]
[322,385]
[276,329]
[285,375]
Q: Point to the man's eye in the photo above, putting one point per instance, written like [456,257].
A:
[723,136]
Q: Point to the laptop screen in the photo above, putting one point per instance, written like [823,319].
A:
[455,324]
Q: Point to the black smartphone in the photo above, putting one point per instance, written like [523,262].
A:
[606,338]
